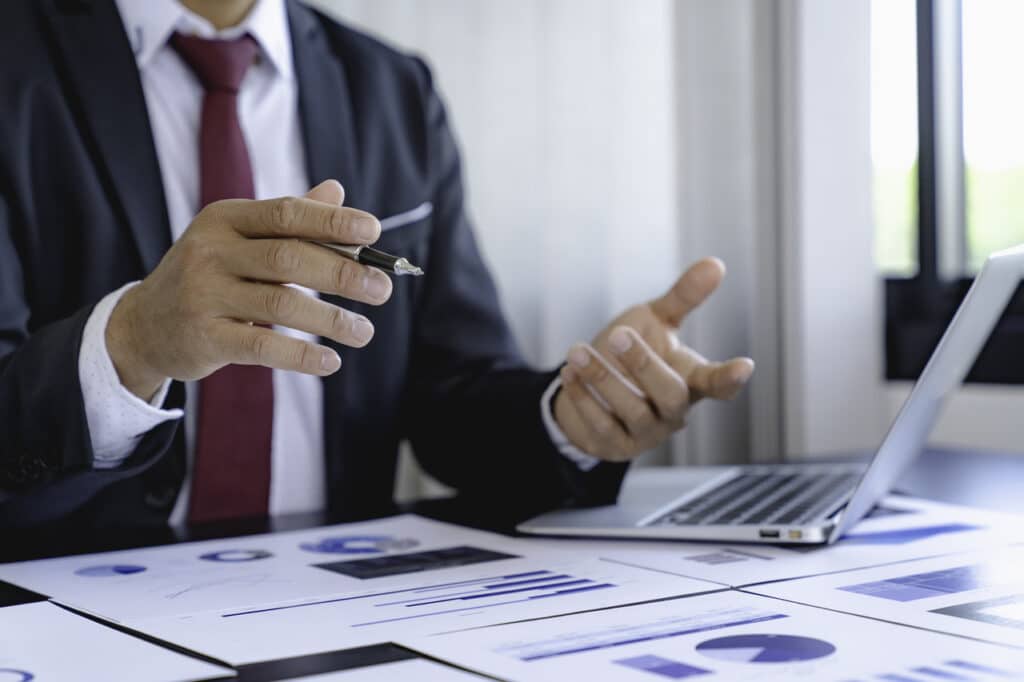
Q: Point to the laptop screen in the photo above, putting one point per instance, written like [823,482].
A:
[950,361]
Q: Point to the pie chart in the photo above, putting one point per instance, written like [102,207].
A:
[12,675]
[109,571]
[234,555]
[765,648]
[360,544]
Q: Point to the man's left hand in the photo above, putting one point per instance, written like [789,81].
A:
[631,388]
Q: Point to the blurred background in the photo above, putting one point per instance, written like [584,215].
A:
[852,163]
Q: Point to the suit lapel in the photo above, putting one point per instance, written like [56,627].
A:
[325,107]
[103,77]
[330,145]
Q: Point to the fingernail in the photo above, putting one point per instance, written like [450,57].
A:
[579,356]
[366,228]
[362,330]
[620,341]
[377,285]
[330,361]
[744,373]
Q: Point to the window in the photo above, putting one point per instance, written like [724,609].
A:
[993,115]
[948,155]
[894,134]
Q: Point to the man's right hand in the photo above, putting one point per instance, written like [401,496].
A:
[195,312]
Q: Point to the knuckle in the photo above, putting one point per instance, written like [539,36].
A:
[596,371]
[676,402]
[575,394]
[305,356]
[195,252]
[639,416]
[211,213]
[638,357]
[603,427]
[282,258]
[348,277]
[259,348]
[284,212]
[279,303]
[626,448]
[335,223]
[341,322]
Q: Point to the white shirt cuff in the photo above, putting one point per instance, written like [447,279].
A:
[117,418]
[581,459]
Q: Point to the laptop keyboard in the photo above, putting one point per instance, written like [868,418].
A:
[787,497]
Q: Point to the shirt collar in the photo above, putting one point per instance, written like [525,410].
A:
[150,24]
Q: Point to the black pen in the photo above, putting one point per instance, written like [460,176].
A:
[395,265]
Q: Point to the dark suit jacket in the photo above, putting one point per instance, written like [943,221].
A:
[82,211]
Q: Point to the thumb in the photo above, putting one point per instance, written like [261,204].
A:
[329,192]
[689,291]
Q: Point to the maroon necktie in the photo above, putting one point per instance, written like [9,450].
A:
[231,468]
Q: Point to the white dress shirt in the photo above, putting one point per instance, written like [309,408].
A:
[269,118]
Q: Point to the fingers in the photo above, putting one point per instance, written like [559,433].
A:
[572,423]
[603,435]
[624,399]
[290,261]
[289,307]
[663,386]
[299,219]
[689,291]
[242,344]
[329,192]
[718,380]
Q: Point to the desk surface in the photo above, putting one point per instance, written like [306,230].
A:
[981,479]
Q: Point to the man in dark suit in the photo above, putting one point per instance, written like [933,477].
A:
[148,277]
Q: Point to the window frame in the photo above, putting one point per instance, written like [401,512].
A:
[918,309]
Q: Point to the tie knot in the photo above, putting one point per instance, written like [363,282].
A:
[218,64]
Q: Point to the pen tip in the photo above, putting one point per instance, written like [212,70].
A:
[404,267]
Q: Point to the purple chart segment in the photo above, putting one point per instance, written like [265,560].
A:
[905,536]
[360,544]
[663,667]
[109,571]
[236,555]
[765,648]
[12,675]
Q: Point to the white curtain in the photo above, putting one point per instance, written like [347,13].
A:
[565,114]
[564,111]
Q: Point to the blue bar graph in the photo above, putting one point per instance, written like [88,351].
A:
[951,671]
[425,601]
[663,667]
[608,638]
[925,585]
[905,536]
[982,669]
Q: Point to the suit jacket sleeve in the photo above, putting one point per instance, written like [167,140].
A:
[45,452]
[474,407]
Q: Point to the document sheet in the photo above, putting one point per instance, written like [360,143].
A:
[975,594]
[726,635]
[901,528]
[267,597]
[418,669]
[235,573]
[42,641]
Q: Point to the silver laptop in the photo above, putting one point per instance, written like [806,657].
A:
[804,503]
